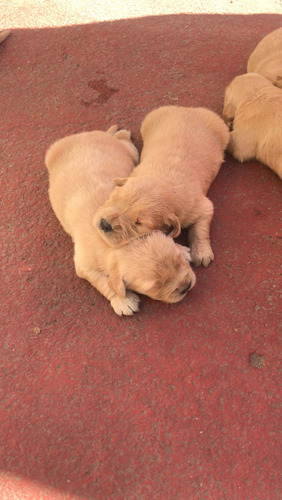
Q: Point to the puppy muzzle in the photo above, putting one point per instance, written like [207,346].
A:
[105,226]
[186,288]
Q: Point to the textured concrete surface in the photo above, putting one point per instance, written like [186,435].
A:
[177,402]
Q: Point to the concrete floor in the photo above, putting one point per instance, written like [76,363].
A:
[177,402]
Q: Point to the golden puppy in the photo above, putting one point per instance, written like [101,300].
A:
[81,171]
[266,59]
[182,154]
[253,107]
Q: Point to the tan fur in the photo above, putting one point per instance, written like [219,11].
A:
[81,172]
[242,88]
[253,108]
[266,59]
[4,34]
[182,154]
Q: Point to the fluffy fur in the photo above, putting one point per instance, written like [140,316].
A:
[182,154]
[253,108]
[266,59]
[81,171]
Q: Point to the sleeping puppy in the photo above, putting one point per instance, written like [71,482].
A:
[253,107]
[266,59]
[81,171]
[182,153]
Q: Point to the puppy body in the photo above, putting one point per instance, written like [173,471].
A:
[186,143]
[182,153]
[253,106]
[266,59]
[81,172]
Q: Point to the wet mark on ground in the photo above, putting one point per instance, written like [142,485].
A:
[104,91]
[256,361]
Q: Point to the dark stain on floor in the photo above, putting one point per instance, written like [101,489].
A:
[103,90]
[256,361]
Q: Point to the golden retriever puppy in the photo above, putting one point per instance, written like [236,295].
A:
[81,171]
[253,108]
[266,59]
[182,153]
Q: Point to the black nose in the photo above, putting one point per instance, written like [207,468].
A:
[187,288]
[105,226]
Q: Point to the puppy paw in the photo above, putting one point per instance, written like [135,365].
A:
[202,255]
[186,252]
[126,306]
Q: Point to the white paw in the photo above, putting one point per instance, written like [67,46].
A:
[202,255]
[126,306]
[186,252]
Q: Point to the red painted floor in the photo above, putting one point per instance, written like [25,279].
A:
[177,402]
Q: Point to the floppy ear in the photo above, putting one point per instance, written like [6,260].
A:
[116,282]
[120,181]
[228,113]
[171,226]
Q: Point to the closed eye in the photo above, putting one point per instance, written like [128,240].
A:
[138,223]
[184,290]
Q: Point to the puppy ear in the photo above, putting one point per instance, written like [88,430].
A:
[120,181]
[228,113]
[172,226]
[116,282]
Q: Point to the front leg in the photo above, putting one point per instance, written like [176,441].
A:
[199,236]
[127,305]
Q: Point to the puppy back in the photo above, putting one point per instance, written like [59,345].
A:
[175,121]
[97,148]
[270,45]
[82,169]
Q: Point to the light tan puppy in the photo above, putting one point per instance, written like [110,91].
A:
[81,171]
[182,154]
[253,108]
[266,59]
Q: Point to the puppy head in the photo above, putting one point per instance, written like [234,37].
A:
[137,206]
[242,88]
[155,266]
